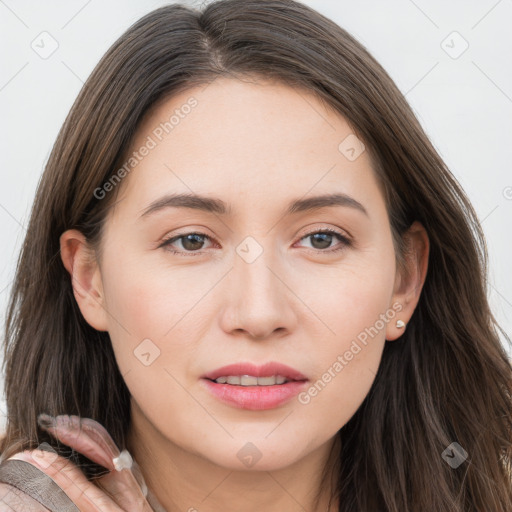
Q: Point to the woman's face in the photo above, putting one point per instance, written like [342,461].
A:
[258,284]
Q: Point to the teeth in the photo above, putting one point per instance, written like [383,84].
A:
[267,381]
[251,380]
[248,380]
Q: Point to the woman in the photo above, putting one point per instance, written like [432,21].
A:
[248,270]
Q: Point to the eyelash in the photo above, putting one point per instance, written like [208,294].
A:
[346,242]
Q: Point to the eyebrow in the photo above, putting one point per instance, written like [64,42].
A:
[217,206]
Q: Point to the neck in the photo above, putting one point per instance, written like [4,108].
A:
[185,481]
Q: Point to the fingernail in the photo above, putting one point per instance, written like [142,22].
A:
[124,461]
[45,421]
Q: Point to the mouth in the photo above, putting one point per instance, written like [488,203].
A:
[251,380]
[247,386]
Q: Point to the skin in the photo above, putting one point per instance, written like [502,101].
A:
[256,146]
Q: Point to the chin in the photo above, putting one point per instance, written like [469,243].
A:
[258,454]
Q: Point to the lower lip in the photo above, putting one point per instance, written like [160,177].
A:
[255,398]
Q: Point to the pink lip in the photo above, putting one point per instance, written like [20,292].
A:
[255,398]
[266,370]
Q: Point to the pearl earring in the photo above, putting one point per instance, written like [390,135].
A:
[400,324]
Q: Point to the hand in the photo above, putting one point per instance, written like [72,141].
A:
[122,489]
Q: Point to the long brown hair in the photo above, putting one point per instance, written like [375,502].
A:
[447,379]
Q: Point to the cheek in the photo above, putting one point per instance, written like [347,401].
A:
[346,358]
[349,300]
[160,303]
[344,368]
[149,298]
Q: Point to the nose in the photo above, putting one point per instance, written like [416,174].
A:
[260,302]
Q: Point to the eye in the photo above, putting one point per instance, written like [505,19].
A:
[190,243]
[322,240]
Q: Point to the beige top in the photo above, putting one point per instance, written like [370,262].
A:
[25,487]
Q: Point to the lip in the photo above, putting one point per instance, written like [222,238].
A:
[255,398]
[266,370]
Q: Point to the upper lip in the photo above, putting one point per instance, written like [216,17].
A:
[266,370]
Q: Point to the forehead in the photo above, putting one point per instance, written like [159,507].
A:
[256,142]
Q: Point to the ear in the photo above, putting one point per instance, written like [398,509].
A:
[410,279]
[80,261]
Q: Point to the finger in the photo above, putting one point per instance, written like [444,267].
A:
[84,494]
[90,438]
[124,496]
[84,435]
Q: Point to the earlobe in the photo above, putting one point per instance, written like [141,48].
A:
[80,262]
[410,279]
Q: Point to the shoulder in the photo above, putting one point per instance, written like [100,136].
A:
[24,487]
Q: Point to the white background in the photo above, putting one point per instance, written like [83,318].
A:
[464,103]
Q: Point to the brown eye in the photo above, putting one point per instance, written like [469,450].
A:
[190,242]
[322,240]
